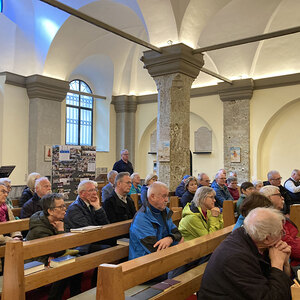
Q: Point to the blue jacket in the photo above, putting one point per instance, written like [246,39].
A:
[144,191]
[221,193]
[239,222]
[146,230]
[180,190]
[133,190]
[107,191]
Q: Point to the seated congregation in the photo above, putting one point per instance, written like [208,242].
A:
[264,233]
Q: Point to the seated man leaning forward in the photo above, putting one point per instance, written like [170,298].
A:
[87,211]
[252,262]
[152,228]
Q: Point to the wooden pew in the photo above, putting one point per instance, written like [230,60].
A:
[113,280]
[173,202]
[295,215]
[229,212]
[16,211]
[15,284]
[135,198]
[15,202]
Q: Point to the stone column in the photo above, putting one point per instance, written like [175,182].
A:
[46,95]
[236,113]
[173,70]
[125,107]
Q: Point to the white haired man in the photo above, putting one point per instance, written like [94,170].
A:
[252,262]
[293,186]
[109,188]
[123,165]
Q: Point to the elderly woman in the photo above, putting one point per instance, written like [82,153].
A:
[135,184]
[29,190]
[200,217]
[148,181]
[291,231]
[6,215]
[7,183]
[258,184]
[191,186]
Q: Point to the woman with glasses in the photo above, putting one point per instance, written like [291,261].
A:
[200,217]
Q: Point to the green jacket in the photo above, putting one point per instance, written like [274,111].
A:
[193,223]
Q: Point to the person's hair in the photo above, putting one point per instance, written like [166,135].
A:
[133,175]
[154,186]
[262,222]
[5,181]
[231,179]
[295,172]
[120,176]
[111,174]
[245,185]
[191,178]
[201,194]
[271,173]
[124,150]
[48,202]
[252,201]
[256,182]
[149,177]
[83,183]
[221,171]
[200,176]
[31,180]
[39,180]
[269,190]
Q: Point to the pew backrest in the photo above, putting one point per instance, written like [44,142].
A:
[229,212]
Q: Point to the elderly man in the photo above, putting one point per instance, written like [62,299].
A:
[42,188]
[119,206]
[135,185]
[252,262]
[49,222]
[274,178]
[85,211]
[293,186]
[203,180]
[123,165]
[152,228]
[109,188]
[222,192]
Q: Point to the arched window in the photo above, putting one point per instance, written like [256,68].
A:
[79,114]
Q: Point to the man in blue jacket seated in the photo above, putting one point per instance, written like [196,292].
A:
[152,228]
[252,262]
[222,192]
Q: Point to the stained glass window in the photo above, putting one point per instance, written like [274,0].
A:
[79,115]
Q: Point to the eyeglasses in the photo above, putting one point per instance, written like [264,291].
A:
[4,192]
[61,207]
[278,194]
[92,190]
[277,179]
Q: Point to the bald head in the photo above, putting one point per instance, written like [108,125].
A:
[157,195]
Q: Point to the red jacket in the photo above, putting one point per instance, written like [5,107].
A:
[292,240]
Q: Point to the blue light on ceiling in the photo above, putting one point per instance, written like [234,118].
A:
[50,28]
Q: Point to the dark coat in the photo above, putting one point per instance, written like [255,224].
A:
[186,197]
[31,206]
[79,215]
[117,210]
[236,270]
[122,166]
[39,227]
[180,190]
[144,191]
[26,195]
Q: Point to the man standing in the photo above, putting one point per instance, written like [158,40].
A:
[293,186]
[222,192]
[252,262]
[152,228]
[203,180]
[87,211]
[274,178]
[108,189]
[119,206]
[123,165]
[42,188]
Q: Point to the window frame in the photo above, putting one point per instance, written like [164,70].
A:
[80,109]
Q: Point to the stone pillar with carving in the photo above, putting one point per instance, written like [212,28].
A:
[174,71]
[125,107]
[45,126]
[236,120]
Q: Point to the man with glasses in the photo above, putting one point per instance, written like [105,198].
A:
[119,206]
[123,165]
[222,192]
[293,186]
[274,179]
[85,211]
[49,222]
[203,180]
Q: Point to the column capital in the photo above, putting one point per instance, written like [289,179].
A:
[124,103]
[48,88]
[238,90]
[178,58]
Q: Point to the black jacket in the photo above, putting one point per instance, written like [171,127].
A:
[31,206]
[122,166]
[117,210]
[26,195]
[237,271]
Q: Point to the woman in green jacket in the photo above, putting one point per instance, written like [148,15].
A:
[200,217]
